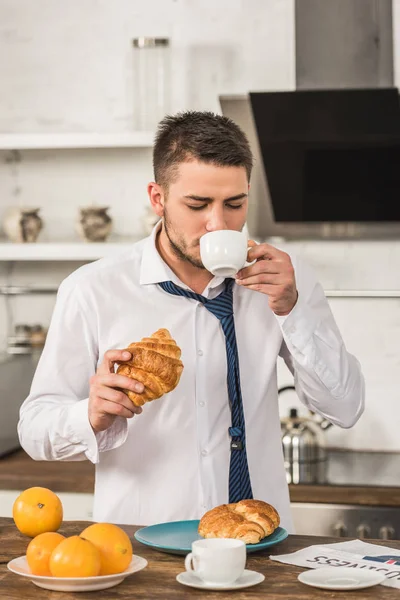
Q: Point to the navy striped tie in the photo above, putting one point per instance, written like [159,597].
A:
[222,308]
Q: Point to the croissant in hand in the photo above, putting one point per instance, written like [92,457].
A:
[156,363]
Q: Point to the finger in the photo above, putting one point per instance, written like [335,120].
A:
[107,407]
[264,288]
[262,266]
[263,278]
[110,357]
[113,380]
[116,397]
[263,251]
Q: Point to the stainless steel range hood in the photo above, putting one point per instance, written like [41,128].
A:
[317,174]
[327,153]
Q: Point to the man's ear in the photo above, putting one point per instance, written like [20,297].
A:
[156,196]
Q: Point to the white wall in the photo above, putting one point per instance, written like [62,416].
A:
[69,68]
[370,328]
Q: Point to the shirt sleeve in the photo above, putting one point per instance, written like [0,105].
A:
[54,421]
[328,379]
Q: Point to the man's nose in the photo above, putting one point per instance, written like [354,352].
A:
[216,220]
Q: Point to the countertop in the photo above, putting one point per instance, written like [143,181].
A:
[18,471]
[158,579]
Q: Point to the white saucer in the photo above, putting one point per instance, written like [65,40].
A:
[75,584]
[341,578]
[246,580]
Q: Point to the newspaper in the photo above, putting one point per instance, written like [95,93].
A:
[352,554]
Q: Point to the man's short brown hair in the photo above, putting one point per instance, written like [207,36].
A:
[203,136]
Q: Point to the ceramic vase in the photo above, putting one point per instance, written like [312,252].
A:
[94,224]
[22,224]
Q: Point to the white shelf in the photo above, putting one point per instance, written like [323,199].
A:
[67,251]
[41,141]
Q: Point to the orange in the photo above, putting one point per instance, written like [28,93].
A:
[39,550]
[114,545]
[37,510]
[75,557]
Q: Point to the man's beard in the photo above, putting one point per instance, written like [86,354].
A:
[179,249]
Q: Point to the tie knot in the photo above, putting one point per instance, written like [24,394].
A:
[176,290]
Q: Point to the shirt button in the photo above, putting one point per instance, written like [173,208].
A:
[204,452]
[200,352]
[202,403]
[292,329]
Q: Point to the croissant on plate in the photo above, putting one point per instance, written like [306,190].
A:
[156,363]
[247,520]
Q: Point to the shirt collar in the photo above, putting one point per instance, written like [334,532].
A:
[153,268]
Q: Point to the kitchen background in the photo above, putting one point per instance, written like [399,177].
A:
[72,71]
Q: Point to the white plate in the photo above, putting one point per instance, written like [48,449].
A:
[341,578]
[246,580]
[75,584]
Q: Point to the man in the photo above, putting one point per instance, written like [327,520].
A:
[174,458]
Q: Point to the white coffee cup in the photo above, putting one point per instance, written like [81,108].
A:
[224,252]
[219,561]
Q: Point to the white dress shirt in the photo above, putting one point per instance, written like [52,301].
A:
[172,461]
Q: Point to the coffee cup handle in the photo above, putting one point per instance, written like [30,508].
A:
[248,264]
[189,564]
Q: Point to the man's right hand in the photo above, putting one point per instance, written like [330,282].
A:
[105,401]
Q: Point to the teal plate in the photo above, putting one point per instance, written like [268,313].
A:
[176,537]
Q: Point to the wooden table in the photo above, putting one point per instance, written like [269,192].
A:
[157,580]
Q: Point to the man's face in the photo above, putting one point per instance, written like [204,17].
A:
[203,198]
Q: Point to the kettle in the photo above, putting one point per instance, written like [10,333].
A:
[304,447]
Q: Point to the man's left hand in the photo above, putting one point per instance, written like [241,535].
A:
[272,274]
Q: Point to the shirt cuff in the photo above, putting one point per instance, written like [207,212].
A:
[114,436]
[299,325]
[80,432]
[79,429]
